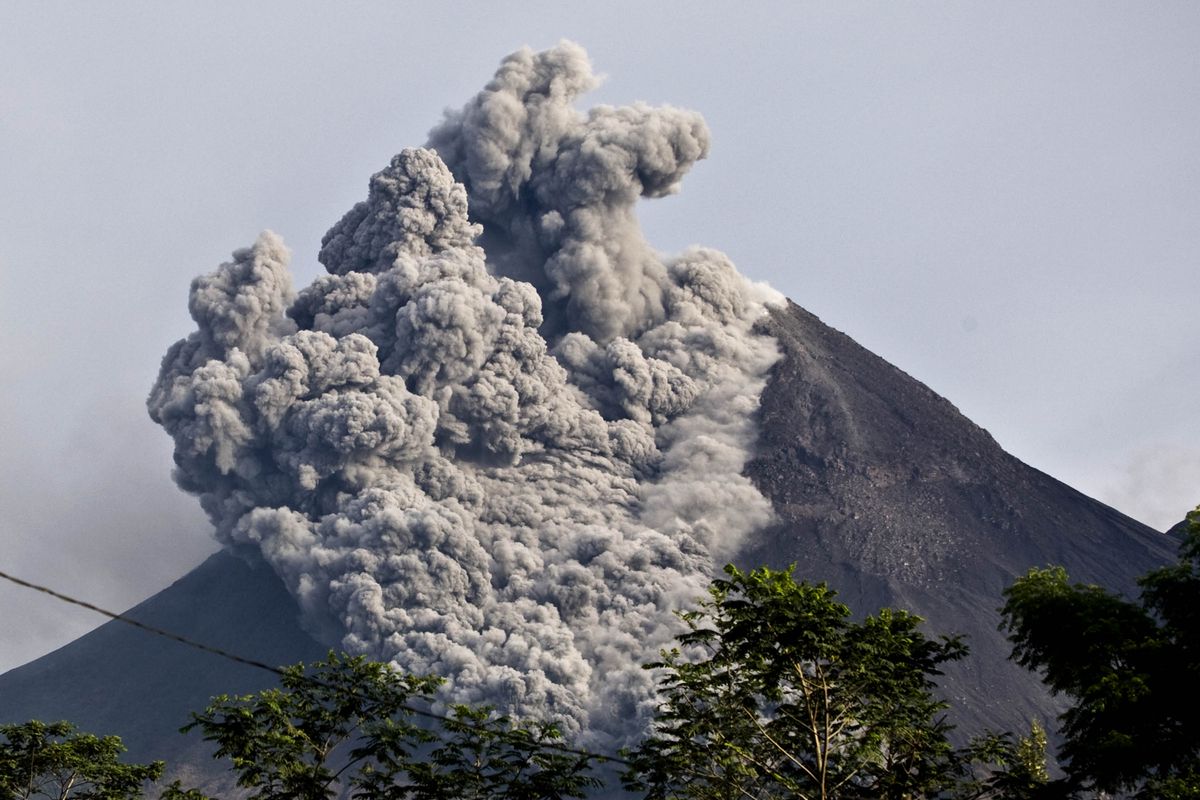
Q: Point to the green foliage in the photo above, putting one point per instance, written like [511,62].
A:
[776,692]
[55,761]
[483,756]
[1028,764]
[1012,768]
[281,741]
[348,723]
[1130,668]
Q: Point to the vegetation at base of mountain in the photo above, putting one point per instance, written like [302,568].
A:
[348,724]
[1131,669]
[1014,768]
[775,691]
[53,760]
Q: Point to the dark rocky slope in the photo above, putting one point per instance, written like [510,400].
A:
[882,488]
[119,679]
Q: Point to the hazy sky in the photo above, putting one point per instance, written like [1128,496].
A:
[1001,199]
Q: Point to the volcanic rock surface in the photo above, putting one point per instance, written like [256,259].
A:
[121,680]
[887,492]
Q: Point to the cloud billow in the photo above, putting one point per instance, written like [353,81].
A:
[501,445]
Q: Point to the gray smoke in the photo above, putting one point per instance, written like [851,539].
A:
[500,447]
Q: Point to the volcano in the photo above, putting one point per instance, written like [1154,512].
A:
[503,439]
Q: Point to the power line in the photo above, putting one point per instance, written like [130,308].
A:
[217,651]
[141,625]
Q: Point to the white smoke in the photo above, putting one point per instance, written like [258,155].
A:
[502,447]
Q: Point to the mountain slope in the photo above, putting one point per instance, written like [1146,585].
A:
[881,487]
[119,679]
[884,490]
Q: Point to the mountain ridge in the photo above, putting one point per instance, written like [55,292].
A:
[119,679]
[883,489]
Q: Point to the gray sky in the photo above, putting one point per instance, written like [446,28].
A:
[1000,199]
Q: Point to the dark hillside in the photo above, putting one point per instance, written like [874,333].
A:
[119,679]
[884,490]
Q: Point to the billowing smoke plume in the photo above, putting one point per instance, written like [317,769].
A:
[499,445]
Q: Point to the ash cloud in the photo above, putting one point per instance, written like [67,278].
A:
[555,190]
[503,438]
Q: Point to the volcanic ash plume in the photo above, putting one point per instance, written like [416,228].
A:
[499,446]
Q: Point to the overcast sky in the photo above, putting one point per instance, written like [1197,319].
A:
[1001,199]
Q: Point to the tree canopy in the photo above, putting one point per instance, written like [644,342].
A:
[1131,669]
[54,760]
[349,724]
[775,691]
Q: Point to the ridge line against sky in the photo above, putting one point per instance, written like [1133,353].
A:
[1004,205]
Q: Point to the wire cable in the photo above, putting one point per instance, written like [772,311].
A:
[217,651]
[141,625]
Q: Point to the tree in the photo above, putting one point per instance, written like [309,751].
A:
[1131,669]
[56,761]
[1004,767]
[348,723]
[775,691]
[481,756]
